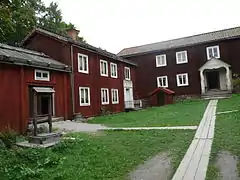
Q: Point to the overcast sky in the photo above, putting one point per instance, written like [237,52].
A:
[117,24]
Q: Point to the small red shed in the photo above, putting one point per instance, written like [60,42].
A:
[161,96]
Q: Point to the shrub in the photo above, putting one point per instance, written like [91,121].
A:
[8,138]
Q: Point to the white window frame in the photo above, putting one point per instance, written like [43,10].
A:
[103,93]
[178,81]
[160,78]
[117,97]
[104,62]
[113,66]
[80,95]
[159,59]
[211,48]
[181,62]
[127,69]
[41,78]
[86,71]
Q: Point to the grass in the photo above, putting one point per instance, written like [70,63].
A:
[187,112]
[227,134]
[110,155]
[229,104]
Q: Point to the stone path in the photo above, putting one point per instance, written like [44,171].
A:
[150,128]
[77,126]
[195,162]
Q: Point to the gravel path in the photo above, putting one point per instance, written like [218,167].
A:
[157,168]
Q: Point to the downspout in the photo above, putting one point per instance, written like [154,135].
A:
[72,80]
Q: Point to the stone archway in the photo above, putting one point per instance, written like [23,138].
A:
[215,74]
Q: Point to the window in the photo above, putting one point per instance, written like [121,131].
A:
[41,75]
[84,94]
[161,60]
[127,73]
[82,63]
[104,96]
[162,81]
[114,96]
[182,79]
[103,68]
[114,73]
[181,57]
[213,51]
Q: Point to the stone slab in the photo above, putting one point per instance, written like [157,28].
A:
[32,145]
[150,128]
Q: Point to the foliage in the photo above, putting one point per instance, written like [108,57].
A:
[27,163]
[179,113]
[236,81]
[8,138]
[19,17]
[108,155]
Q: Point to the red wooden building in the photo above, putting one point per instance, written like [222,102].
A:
[100,81]
[22,72]
[196,65]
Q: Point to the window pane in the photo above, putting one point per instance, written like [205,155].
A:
[215,52]
[86,96]
[184,79]
[164,82]
[38,74]
[180,79]
[85,64]
[210,53]
[45,75]
[82,95]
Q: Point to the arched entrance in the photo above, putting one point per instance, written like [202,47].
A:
[215,75]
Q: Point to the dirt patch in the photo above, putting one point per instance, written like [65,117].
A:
[227,165]
[157,168]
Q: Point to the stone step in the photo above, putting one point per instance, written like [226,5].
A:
[45,138]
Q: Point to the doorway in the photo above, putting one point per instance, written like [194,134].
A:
[213,80]
[160,99]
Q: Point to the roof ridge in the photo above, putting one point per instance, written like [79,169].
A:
[185,37]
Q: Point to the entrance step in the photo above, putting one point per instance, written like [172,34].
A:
[216,94]
[45,138]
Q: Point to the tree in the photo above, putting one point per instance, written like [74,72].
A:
[19,17]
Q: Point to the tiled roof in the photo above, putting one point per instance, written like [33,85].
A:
[20,56]
[165,90]
[182,42]
[80,44]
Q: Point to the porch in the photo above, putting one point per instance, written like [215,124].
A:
[216,78]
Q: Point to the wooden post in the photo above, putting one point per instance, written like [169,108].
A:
[34,114]
[50,113]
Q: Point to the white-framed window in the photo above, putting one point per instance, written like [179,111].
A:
[213,51]
[104,96]
[41,75]
[161,60]
[84,96]
[181,57]
[115,99]
[182,79]
[127,73]
[103,68]
[82,63]
[114,71]
[162,81]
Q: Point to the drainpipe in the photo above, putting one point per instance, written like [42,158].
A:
[72,80]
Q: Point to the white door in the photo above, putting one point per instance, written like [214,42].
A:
[128,98]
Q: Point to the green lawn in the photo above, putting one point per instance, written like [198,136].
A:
[229,104]
[187,112]
[227,133]
[110,155]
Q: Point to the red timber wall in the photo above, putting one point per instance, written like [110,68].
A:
[147,72]
[95,81]
[14,95]
[61,51]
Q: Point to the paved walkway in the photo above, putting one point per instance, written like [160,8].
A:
[150,128]
[195,162]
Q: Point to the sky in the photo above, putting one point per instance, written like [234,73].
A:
[117,24]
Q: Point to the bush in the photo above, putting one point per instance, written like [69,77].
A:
[8,138]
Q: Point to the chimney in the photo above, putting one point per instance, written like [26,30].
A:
[73,33]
